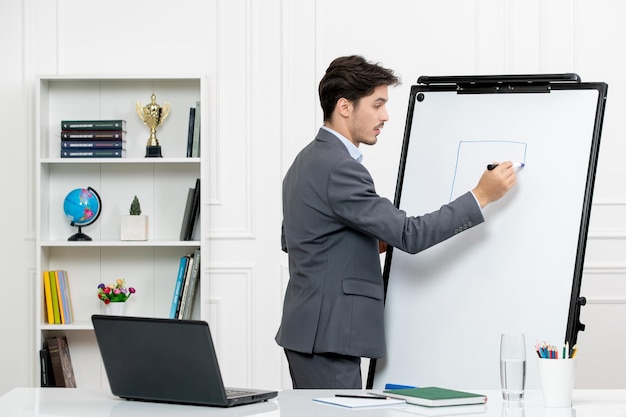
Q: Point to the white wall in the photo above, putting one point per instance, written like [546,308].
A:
[264,59]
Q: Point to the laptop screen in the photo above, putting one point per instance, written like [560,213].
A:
[161,360]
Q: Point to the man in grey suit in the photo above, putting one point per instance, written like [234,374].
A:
[333,223]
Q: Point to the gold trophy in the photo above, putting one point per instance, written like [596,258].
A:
[153,116]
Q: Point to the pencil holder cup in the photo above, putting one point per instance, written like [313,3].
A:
[557,378]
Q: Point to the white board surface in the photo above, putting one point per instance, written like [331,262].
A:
[447,306]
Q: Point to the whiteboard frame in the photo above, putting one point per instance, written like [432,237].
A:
[511,84]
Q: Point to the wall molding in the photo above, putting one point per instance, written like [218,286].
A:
[605,300]
[605,268]
[606,233]
[220,310]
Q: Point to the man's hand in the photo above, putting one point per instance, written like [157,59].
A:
[495,183]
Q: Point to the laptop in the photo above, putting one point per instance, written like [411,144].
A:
[166,360]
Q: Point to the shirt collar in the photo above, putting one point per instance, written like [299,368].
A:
[353,150]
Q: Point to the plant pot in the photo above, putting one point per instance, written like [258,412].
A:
[115,309]
[134,227]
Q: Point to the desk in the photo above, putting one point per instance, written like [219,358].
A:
[76,402]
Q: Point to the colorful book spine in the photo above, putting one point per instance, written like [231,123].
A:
[60,296]
[93,153]
[66,280]
[48,297]
[93,144]
[93,125]
[183,293]
[54,297]
[65,296]
[178,286]
[93,135]
[193,283]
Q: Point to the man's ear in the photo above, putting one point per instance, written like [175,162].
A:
[344,107]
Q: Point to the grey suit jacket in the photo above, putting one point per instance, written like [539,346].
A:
[332,221]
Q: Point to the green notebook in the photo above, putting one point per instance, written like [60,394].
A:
[436,396]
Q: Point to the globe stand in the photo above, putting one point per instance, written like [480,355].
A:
[78,236]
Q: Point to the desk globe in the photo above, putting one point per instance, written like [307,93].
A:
[82,207]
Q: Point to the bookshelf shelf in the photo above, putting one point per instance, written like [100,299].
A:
[118,243]
[161,184]
[79,325]
[123,161]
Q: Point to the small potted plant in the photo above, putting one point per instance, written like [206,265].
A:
[134,226]
[114,296]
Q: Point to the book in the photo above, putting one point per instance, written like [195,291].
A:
[182,287]
[195,211]
[60,296]
[436,396]
[178,286]
[48,298]
[93,125]
[93,153]
[93,135]
[195,152]
[54,348]
[54,297]
[183,293]
[47,375]
[187,214]
[191,213]
[193,284]
[94,144]
[360,401]
[66,363]
[65,296]
[192,120]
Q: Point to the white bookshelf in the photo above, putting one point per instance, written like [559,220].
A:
[161,184]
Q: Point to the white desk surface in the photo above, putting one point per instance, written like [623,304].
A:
[76,402]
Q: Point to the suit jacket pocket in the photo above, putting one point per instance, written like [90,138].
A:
[354,286]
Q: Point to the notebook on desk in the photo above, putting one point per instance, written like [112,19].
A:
[166,360]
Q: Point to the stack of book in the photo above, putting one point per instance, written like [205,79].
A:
[93,138]
[185,286]
[57,297]
[56,363]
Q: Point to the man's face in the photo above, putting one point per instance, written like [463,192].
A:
[368,117]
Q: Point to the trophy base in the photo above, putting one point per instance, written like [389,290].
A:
[153,151]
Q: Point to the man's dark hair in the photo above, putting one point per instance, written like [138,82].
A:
[352,77]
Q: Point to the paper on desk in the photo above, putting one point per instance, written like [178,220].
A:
[360,402]
[452,410]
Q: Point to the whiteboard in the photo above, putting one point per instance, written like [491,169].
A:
[447,306]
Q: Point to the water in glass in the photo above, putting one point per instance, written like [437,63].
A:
[513,377]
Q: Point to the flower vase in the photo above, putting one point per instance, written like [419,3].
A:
[115,309]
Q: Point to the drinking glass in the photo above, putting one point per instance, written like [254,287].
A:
[513,366]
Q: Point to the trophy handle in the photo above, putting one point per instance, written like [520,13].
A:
[166,110]
[139,110]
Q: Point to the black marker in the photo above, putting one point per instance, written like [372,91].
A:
[490,167]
